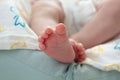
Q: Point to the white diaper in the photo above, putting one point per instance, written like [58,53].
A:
[14,31]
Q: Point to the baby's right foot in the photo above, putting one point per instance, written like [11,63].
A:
[56,44]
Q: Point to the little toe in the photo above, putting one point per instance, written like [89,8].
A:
[60,29]
[42,46]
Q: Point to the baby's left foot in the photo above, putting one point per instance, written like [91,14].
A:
[79,51]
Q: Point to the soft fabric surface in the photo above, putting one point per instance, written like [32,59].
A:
[14,31]
[35,65]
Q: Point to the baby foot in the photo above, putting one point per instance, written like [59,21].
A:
[79,51]
[80,54]
[55,44]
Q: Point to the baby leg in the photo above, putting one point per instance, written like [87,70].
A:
[44,14]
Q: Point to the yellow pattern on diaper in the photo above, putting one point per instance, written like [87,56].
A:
[17,44]
[24,45]
[1,28]
[95,52]
[112,66]
[98,49]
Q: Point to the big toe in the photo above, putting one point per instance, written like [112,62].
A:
[60,29]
